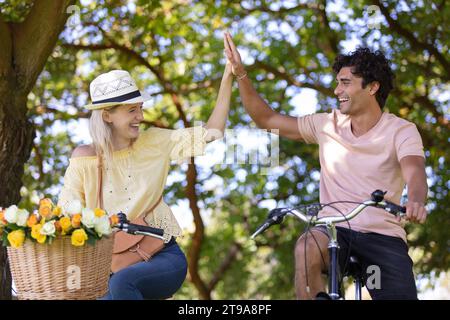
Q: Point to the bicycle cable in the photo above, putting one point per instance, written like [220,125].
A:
[308,230]
[350,228]
[308,227]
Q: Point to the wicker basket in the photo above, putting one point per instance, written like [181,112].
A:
[49,272]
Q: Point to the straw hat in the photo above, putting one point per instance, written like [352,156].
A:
[114,88]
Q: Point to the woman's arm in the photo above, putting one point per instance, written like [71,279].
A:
[217,121]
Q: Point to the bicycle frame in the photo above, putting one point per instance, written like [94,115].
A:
[333,245]
[330,224]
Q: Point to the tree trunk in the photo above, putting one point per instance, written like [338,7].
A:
[16,138]
[25,48]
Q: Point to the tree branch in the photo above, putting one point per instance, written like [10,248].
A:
[85,115]
[425,102]
[229,259]
[39,160]
[291,80]
[199,233]
[280,12]
[408,35]
[330,33]
[183,90]
[35,38]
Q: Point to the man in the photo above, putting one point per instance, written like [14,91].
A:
[362,149]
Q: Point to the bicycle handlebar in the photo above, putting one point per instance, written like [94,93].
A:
[137,229]
[377,200]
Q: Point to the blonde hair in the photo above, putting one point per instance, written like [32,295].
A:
[101,134]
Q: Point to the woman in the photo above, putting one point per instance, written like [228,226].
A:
[135,168]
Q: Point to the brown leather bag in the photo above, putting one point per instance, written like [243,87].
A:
[130,249]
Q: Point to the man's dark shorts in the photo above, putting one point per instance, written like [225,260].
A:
[388,253]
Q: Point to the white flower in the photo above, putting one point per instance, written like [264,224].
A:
[48,228]
[22,217]
[88,217]
[11,214]
[73,207]
[102,226]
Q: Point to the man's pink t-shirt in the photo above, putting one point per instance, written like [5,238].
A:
[353,167]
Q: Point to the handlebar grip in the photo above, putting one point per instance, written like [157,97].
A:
[275,217]
[394,208]
[133,228]
[261,229]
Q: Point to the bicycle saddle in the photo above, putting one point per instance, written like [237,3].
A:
[354,268]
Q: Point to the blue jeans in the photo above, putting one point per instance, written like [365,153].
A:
[158,278]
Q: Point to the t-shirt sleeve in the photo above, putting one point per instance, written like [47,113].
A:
[73,186]
[408,142]
[309,126]
[187,142]
[178,144]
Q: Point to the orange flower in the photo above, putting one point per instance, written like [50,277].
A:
[32,220]
[76,220]
[58,226]
[2,217]
[114,219]
[45,208]
[45,202]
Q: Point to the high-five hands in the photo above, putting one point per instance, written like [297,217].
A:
[234,57]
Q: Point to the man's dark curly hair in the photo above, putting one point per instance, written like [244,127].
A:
[371,66]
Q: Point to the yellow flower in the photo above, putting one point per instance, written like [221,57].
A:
[35,230]
[99,212]
[41,238]
[36,233]
[16,238]
[78,238]
[45,208]
[57,211]
[65,223]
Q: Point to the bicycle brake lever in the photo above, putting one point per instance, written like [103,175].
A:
[313,210]
[122,218]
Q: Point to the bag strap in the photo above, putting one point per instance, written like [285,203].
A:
[99,186]
[100,189]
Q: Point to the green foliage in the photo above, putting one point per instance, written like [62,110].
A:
[15,10]
[171,46]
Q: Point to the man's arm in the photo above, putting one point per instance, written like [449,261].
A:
[256,107]
[413,171]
